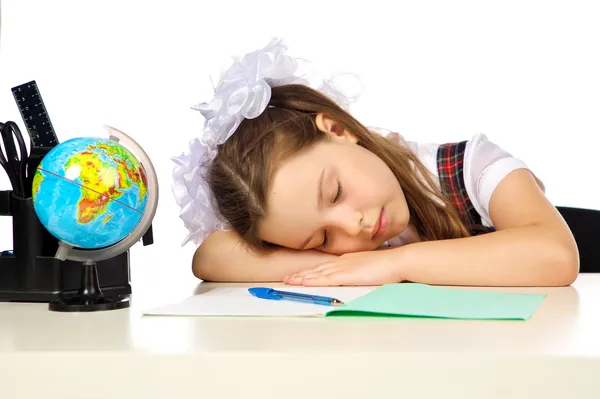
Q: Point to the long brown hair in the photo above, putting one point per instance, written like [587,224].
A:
[245,164]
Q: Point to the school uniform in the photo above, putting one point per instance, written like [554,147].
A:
[467,172]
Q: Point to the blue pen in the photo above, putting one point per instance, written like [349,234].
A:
[269,293]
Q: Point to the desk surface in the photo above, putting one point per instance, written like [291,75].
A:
[555,354]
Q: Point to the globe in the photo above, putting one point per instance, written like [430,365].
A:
[90,192]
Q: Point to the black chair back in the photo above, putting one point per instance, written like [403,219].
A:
[585,226]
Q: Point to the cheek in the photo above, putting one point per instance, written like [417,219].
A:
[370,178]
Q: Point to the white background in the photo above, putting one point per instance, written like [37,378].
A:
[525,73]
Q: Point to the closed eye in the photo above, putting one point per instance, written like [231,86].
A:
[336,199]
[339,193]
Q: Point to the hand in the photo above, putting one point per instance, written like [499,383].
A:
[359,268]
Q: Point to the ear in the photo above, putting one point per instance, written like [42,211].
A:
[334,129]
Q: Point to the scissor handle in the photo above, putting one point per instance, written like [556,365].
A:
[3,159]
[14,162]
[11,131]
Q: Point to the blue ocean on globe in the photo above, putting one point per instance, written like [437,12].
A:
[90,192]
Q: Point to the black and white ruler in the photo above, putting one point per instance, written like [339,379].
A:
[34,114]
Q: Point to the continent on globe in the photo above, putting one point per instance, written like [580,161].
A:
[99,179]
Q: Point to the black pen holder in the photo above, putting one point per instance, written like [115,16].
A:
[32,273]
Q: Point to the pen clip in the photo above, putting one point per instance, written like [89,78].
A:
[264,293]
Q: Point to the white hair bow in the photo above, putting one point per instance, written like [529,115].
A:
[243,91]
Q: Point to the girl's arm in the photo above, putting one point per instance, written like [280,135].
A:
[532,246]
[223,257]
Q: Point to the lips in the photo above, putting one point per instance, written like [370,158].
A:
[381,226]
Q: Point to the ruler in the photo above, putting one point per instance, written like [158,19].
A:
[34,114]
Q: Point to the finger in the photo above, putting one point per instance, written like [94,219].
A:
[313,270]
[300,280]
[323,272]
[297,280]
[298,276]
[332,279]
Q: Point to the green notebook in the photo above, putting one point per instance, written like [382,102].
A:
[420,300]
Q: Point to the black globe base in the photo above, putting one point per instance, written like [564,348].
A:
[89,298]
[82,305]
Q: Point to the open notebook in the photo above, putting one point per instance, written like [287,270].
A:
[405,299]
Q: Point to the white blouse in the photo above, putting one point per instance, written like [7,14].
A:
[485,165]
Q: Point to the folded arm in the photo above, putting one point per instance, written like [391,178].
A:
[532,246]
[223,257]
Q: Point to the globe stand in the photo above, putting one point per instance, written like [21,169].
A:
[89,298]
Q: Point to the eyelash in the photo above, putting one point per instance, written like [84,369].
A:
[337,197]
[339,193]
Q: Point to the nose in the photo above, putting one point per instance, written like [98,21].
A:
[348,220]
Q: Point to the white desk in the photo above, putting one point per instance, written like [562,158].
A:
[121,354]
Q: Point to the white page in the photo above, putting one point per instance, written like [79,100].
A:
[234,301]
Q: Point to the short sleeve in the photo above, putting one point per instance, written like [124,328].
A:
[485,165]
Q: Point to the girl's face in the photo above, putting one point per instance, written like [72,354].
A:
[336,197]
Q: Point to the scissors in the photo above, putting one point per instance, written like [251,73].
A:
[14,162]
